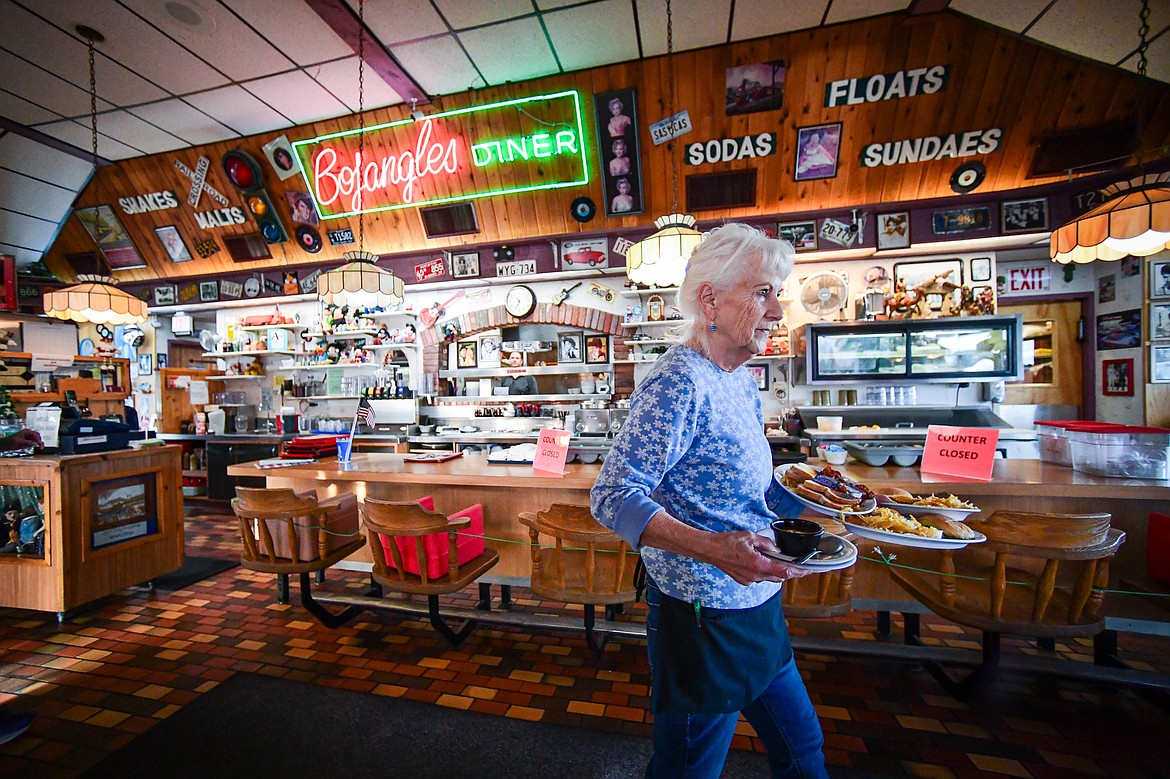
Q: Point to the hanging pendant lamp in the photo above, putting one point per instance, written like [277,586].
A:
[1135,219]
[94,298]
[661,260]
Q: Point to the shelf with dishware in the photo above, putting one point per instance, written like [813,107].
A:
[474,399]
[533,370]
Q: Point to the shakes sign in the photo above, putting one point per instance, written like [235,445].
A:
[519,145]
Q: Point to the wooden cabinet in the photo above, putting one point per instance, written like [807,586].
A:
[111,520]
[106,393]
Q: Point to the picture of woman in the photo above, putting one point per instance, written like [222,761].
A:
[623,201]
[619,122]
[466,355]
[816,152]
[620,164]
[617,146]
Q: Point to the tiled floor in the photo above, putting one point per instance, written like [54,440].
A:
[112,672]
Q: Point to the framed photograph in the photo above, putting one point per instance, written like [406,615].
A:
[1119,330]
[802,235]
[1024,216]
[1160,279]
[816,151]
[164,295]
[467,354]
[981,269]
[1160,321]
[160,360]
[280,156]
[1160,364]
[569,347]
[465,265]
[1117,377]
[301,208]
[1130,266]
[111,237]
[489,351]
[1107,288]
[144,364]
[760,374]
[596,349]
[617,144]
[917,274]
[121,509]
[752,88]
[893,230]
[208,291]
[173,243]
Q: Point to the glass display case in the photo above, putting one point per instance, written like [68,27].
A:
[983,348]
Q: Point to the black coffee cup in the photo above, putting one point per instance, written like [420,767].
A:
[797,537]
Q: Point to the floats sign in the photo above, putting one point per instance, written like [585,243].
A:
[504,148]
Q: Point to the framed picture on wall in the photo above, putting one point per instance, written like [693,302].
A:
[467,354]
[489,351]
[597,349]
[164,295]
[208,291]
[981,269]
[816,151]
[760,374]
[1117,377]
[465,265]
[1160,279]
[569,347]
[1024,216]
[893,230]
[802,235]
[915,274]
[1160,321]
[1160,364]
[120,509]
[173,243]
[617,144]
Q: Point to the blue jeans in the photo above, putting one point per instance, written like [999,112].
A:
[695,745]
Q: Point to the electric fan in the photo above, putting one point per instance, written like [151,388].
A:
[824,293]
[209,340]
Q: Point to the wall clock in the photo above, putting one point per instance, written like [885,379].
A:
[520,302]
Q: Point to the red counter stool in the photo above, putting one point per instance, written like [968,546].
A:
[587,563]
[453,555]
[284,532]
[1037,576]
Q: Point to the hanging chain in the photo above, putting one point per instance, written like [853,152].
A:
[361,116]
[1143,44]
[1143,34]
[92,102]
[670,88]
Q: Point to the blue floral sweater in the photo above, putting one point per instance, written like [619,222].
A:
[693,446]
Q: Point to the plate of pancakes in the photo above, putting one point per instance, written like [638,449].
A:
[824,490]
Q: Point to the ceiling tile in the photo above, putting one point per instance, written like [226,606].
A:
[44,89]
[512,51]
[27,195]
[294,29]
[20,110]
[66,56]
[1113,36]
[297,96]
[239,110]
[439,65]
[757,18]
[697,23]
[219,38]
[546,5]
[24,155]
[340,77]
[471,13]
[1014,16]
[1157,60]
[23,255]
[78,134]
[27,231]
[178,118]
[593,35]
[132,131]
[135,43]
[395,21]
[848,10]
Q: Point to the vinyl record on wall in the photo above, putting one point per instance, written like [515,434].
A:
[309,239]
[967,177]
[583,209]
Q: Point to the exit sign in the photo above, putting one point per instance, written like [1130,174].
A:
[1028,279]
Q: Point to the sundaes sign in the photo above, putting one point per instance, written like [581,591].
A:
[508,147]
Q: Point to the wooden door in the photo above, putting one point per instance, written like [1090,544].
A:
[1052,372]
[186,354]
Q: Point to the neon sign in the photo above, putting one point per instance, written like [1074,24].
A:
[445,157]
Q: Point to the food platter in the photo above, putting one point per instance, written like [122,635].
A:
[831,559]
[865,507]
[912,509]
[907,539]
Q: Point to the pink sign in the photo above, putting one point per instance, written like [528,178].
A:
[430,270]
[1034,278]
[552,448]
[960,451]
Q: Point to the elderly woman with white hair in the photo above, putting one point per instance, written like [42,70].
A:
[689,484]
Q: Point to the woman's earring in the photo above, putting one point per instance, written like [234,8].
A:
[711,327]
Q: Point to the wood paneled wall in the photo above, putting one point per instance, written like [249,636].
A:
[996,80]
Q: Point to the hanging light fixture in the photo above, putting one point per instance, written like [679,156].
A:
[1135,219]
[661,259]
[359,282]
[94,298]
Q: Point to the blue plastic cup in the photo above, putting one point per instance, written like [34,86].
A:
[343,450]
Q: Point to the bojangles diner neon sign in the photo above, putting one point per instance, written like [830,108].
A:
[513,146]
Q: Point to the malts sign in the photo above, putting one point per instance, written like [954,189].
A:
[513,146]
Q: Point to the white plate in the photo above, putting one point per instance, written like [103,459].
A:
[906,539]
[956,514]
[844,557]
[865,507]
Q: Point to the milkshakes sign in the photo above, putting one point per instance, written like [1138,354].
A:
[513,146]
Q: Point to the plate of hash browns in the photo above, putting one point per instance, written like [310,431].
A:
[949,506]
[926,531]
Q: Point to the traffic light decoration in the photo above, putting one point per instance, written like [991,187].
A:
[245,175]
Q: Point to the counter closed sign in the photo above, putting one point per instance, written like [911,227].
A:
[552,449]
[960,451]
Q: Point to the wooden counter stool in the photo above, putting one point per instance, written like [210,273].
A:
[420,551]
[284,532]
[595,568]
[1037,576]
[821,595]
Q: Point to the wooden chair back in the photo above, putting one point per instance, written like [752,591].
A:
[586,563]
[1037,575]
[395,520]
[286,532]
[819,595]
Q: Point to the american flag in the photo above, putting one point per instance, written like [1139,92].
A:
[365,412]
